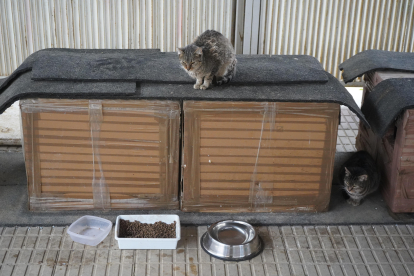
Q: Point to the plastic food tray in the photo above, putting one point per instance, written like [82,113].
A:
[89,230]
[134,243]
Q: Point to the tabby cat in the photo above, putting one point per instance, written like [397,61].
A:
[359,176]
[210,58]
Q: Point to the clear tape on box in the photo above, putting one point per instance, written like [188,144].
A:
[101,199]
[260,194]
[101,154]
[258,156]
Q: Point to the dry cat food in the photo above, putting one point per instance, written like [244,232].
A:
[136,229]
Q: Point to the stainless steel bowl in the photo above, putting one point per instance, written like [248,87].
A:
[231,240]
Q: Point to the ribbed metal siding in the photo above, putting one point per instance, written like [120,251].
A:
[330,30]
[31,25]
[334,30]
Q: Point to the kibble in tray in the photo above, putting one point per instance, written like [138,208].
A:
[136,229]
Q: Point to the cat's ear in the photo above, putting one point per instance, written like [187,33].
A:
[199,51]
[180,51]
[363,177]
[347,172]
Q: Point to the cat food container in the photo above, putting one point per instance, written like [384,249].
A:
[89,230]
[232,240]
[149,243]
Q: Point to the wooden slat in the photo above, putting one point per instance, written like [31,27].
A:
[113,150]
[285,135]
[89,195]
[137,141]
[213,160]
[48,157]
[276,127]
[110,181]
[244,107]
[105,167]
[316,118]
[242,152]
[235,177]
[212,168]
[297,194]
[269,186]
[108,117]
[80,125]
[133,190]
[107,174]
[254,143]
[62,133]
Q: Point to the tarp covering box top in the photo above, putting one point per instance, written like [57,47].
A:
[122,112]
[390,97]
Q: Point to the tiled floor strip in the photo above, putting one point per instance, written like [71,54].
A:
[321,250]
[347,131]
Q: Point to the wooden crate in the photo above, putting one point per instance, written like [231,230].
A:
[394,152]
[256,157]
[106,154]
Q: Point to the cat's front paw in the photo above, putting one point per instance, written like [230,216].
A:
[353,202]
[203,87]
[196,86]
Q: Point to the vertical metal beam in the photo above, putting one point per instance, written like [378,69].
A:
[239,26]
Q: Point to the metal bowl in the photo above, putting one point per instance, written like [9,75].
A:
[232,240]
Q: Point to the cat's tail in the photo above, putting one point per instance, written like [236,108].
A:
[231,73]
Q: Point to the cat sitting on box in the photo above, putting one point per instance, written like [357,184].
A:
[359,177]
[210,58]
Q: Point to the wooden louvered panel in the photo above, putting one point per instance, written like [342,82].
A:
[137,149]
[63,184]
[288,151]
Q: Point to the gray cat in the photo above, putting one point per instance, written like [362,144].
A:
[210,57]
[359,176]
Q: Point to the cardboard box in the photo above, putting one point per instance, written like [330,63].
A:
[393,152]
[258,156]
[105,154]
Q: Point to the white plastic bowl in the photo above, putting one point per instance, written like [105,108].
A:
[89,230]
[161,243]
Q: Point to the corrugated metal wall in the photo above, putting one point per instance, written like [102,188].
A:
[30,25]
[330,30]
[334,30]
